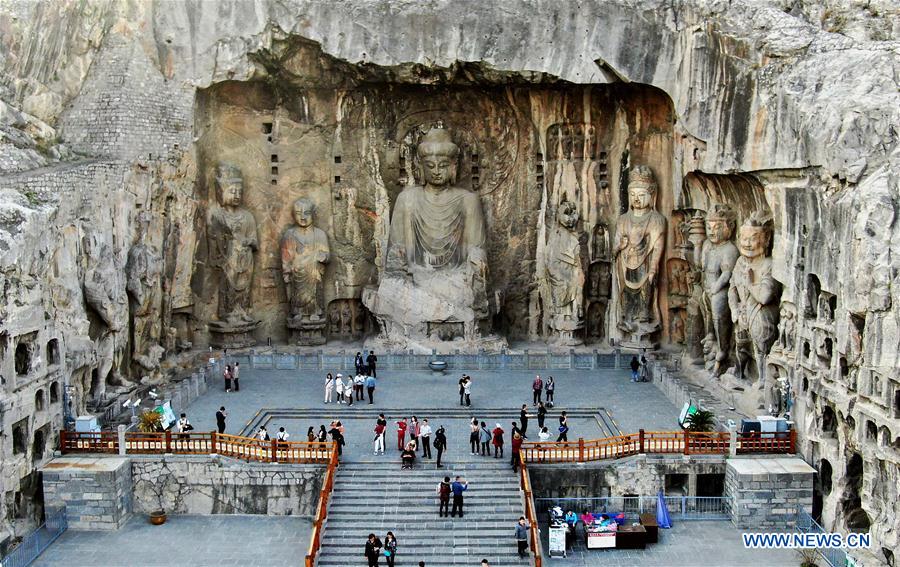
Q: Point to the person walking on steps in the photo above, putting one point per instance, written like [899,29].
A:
[371,360]
[459,486]
[443,492]
[541,414]
[329,388]
[390,549]
[635,367]
[370,386]
[550,389]
[536,387]
[401,433]
[497,435]
[516,447]
[440,443]
[522,528]
[425,433]
[563,428]
[220,419]
[484,436]
[373,550]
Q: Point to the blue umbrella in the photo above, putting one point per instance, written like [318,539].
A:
[662,513]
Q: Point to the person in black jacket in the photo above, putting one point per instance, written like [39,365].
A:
[373,550]
[541,414]
[370,362]
[220,419]
[440,443]
[358,363]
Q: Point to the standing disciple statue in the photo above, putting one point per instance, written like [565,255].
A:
[435,271]
[565,276]
[754,295]
[304,253]
[718,257]
[640,240]
[143,283]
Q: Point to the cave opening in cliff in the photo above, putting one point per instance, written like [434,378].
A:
[855,517]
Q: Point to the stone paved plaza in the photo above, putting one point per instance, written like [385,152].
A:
[197,541]
[632,405]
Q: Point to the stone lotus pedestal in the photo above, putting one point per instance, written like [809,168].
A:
[232,335]
[307,332]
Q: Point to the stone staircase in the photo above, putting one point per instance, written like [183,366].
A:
[379,497]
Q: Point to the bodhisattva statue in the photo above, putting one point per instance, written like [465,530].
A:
[105,292]
[640,240]
[564,276]
[233,241]
[435,273]
[754,296]
[718,257]
[304,253]
[144,268]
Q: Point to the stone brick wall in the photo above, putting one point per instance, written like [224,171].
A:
[767,491]
[96,491]
[212,485]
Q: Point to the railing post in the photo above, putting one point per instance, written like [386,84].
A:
[687,442]
[212,443]
[641,440]
[274,450]
[123,447]
[168,440]
[62,441]
[581,449]
[793,447]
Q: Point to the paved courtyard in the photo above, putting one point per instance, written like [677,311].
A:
[711,544]
[497,396]
[197,541]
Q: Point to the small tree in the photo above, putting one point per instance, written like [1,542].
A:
[701,420]
[149,421]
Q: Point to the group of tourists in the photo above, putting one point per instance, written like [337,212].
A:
[539,387]
[419,434]
[347,389]
[639,369]
[232,376]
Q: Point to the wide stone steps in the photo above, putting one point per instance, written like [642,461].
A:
[378,497]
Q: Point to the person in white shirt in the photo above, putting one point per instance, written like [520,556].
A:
[544,434]
[339,388]
[348,390]
[282,435]
[329,388]
[183,425]
[262,434]
[425,432]
[358,383]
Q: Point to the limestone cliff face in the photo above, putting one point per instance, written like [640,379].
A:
[114,114]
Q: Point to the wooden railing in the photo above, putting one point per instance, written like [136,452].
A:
[315,541]
[658,442]
[530,513]
[167,442]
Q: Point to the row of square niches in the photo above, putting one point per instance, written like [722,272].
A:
[273,166]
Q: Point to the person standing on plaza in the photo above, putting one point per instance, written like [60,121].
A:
[550,388]
[390,549]
[227,375]
[282,435]
[370,386]
[358,362]
[371,360]
[414,430]
[329,388]
[236,375]
[473,435]
[484,436]
[536,387]
[563,428]
[541,414]
[323,434]
[635,367]
[462,390]
[311,435]
[373,550]
[516,447]
[497,435]
[644,368]
[522,536]
[337,436]
[263,434]
[220,419]
[523,418]
[544,434]
[443,491]
[183,426]
[359,382]
[380,425]
[401,433]
[440,443]
[348,390]
[458,487]
[339,388]
[467,389]
[425,433]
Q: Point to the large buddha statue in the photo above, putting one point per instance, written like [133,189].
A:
[640,241]
[304,253]
[434,280]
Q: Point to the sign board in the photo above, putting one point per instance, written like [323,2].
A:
[557,539]
[686,411]
[168,416]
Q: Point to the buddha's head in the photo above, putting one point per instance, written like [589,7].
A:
[720,223]
[229,185]
[303,212]
[642,188]
[755,235]
[567,214]
[438,157]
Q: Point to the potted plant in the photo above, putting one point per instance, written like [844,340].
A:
[158,517]
[149,421]
[701,420]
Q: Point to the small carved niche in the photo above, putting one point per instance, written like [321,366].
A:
[53,351]
[829,422]
[54,392]
[567,141]
[346,319]
[20,436]
[24,354]
[813,289]
[871,430]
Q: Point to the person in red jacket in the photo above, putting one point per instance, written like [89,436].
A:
[516,445]
[497,441]
[401,433]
